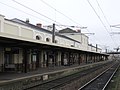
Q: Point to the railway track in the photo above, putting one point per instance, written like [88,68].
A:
[59,82]
[101,81]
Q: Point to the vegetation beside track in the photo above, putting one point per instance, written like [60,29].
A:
[115,82]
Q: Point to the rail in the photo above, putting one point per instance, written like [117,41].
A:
[60,82]
[98,83]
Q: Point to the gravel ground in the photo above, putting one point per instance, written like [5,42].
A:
[115,82]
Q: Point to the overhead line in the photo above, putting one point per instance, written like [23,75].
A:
[100,20]
[97,14]
[105,18]
[40,13]
[103,14]
[44,15]
[34,11]
[23,12]
[60,12]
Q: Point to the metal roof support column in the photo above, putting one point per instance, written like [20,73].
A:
[62,58]
[94,57]
[59,58]
[106,57]
[99,57]
[69,59]
[41,57]
[25,60]
[38,59]
[91,58]
[79,58]
[86,61]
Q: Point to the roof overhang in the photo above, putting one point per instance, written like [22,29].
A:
[17,41]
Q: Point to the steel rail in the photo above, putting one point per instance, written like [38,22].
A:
[110,78]
[68,78]
[85,85]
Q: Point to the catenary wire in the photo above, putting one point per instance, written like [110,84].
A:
[59,12]
[24,12]
[101,22]
[105,19]
[35,11]
[64,16]
[103,14]
[44,15]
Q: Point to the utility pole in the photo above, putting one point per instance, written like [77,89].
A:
[53,33]
[106,50]
[96,47]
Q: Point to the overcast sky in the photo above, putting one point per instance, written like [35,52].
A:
[82,13]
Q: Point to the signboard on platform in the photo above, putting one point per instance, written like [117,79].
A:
[45,77]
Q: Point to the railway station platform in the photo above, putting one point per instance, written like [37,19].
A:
[11,79]
[6,76]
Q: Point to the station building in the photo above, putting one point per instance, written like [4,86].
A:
[25,47]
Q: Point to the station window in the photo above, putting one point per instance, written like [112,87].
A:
[56,41]
[38,37]
[48,39]
[72,45]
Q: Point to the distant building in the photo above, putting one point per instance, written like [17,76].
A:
[80,37]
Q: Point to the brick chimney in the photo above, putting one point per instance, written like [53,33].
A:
[78,30]
[39,25]
[27,20]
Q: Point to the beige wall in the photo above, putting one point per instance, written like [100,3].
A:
[99,50]
[78,37]
[26,33]
[75,36]
[78,45]
[84,39]
[0,25]
[1,22]
[11,29]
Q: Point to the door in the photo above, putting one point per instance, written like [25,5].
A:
[9,62]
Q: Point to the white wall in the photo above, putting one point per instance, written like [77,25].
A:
[1,23]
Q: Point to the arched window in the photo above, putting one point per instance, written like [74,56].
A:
[48,39]
[38,37]
[56,41]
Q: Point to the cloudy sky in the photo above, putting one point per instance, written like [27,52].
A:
[96,15]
